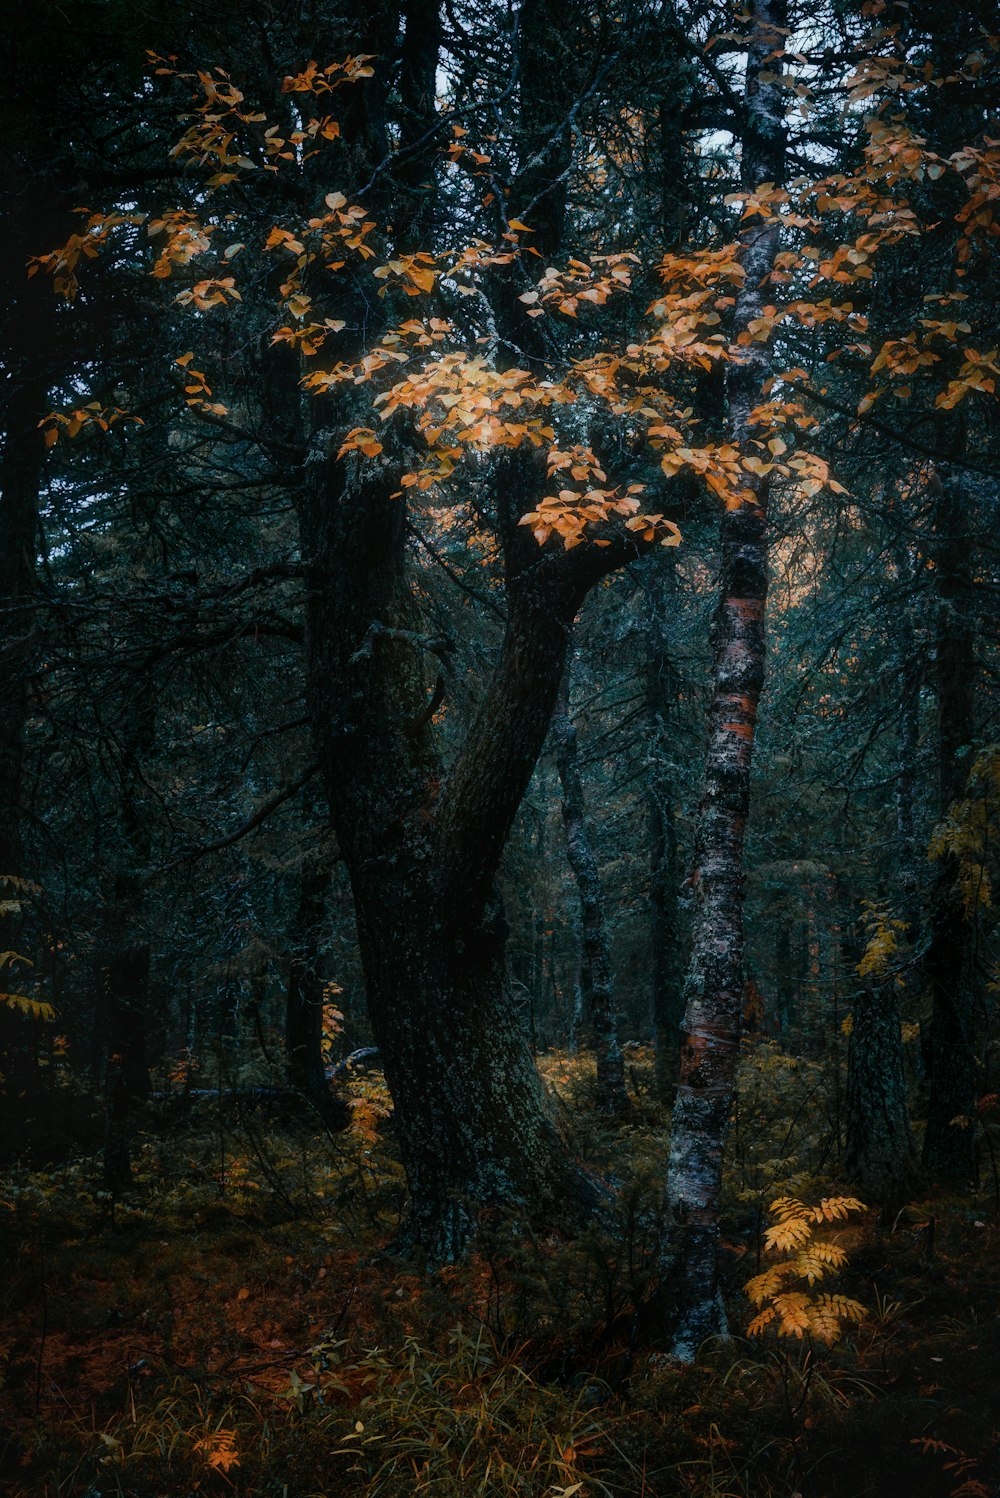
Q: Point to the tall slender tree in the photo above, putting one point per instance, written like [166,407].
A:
[715,983]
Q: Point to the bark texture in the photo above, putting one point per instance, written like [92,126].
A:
[715,981]
[420,829]
[910,666]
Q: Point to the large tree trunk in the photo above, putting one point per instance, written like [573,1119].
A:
[948,1152]
[422,842]
[612,1097]
[474,1127]
[20,479]
[715,982]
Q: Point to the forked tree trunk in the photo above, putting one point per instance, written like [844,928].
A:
[612,1096]
[422,840]
[715,982]
[422,845]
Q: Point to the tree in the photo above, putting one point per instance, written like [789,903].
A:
[715,982]
[414,364]
[421,842]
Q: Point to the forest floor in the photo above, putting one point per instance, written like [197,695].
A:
[231,1327]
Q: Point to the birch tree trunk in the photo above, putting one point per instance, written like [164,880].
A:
[715,981]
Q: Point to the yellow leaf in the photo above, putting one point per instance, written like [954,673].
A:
[32,1008]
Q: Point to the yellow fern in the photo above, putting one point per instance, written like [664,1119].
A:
[840,1306]
[34,1008]
[793,1309]
[791,1234]
[832,1208]
[819,1259]
[6,958]
[761,1320]
[219,1449]
[796,1313]
[764,1286]
[968,834]
[18,1002]
[784,1208]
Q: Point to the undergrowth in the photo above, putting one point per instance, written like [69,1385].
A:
[232,1327]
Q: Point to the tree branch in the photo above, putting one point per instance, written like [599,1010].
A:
[260,815]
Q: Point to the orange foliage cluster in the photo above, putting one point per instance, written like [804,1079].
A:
[466,407]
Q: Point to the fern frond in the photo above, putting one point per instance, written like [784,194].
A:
[794,1313]
[35,1008]
[833,1207]
[763,1286]
[786,1236]
[794,1309]
[784,1208]
[841,1307]
[762,1319]
[824,1325]
[819,1259]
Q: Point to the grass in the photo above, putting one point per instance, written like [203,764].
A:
[232,1328]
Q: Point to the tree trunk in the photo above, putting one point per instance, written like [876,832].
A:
[474,1127]
[422,840]
[422,847]
[715,982]
[580,1038]
[117,1170]
[879,1151]
[612,1097]
[128,995]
